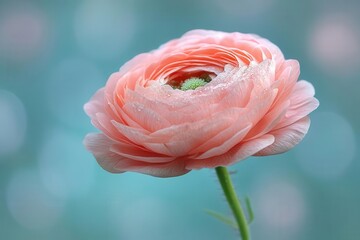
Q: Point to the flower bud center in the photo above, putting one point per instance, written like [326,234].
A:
[192,83]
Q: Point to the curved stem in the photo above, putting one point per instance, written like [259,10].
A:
[232,199]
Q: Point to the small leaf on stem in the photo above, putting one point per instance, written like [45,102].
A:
[249,210]
[225,219]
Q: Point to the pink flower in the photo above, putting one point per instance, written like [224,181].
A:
[249,103]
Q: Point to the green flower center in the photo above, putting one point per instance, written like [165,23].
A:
[192,83]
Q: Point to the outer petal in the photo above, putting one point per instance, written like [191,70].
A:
[275,51]
[96,104]
[237,153]
[287,137]
[100,146]
[227,144]
[302,102]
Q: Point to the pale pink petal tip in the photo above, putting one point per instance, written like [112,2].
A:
[287,137]
[100,146]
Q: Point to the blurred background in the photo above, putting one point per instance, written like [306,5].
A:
[55,54]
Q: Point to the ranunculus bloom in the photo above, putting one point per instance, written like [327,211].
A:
[252,105]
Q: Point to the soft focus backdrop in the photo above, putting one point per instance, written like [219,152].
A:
[55,54]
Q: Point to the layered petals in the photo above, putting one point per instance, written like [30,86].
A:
[287,137]
[103,149]
[252,104]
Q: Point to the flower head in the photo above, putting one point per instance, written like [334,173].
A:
[204,100]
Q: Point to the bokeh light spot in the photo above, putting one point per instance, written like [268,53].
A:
[29,203]
[71,85]
[64,167]
[334,43]
[280,208]
[329,148]
[23,33]
[238,8]
[104,28]
[150,214]
[12,123]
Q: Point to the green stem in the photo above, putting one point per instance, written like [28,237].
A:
[232,199]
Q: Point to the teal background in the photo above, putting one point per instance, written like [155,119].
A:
[55,54]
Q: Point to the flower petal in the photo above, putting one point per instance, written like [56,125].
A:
[302,102]
[179,140]
[100,146]
[227,144]
[287,137]
[237,153]
[145,117]
[96,104]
